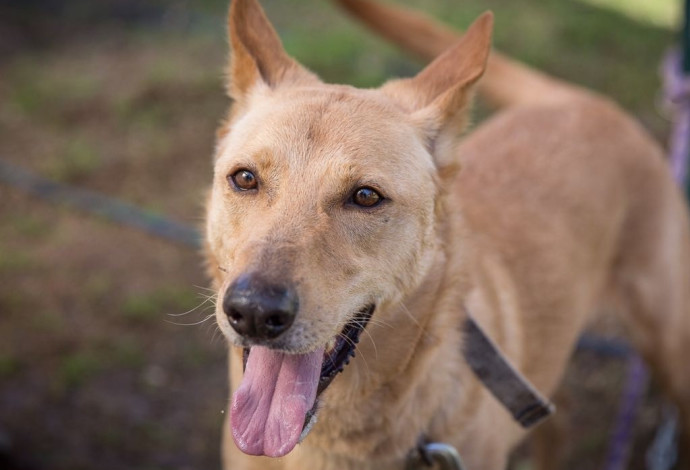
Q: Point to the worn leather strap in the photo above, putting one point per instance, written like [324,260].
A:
[514,391]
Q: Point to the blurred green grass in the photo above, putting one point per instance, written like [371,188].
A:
[600,48]
[663,13]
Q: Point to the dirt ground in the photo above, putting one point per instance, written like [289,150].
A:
[108,356]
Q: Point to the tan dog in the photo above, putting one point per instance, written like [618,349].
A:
[337,213]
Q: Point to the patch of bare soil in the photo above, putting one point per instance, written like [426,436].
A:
[99,363]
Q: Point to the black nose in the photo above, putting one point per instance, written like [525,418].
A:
[258,309]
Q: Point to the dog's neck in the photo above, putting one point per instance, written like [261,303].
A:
[376,408]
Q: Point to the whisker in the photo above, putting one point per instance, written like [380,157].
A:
[204,295]
[217,334]
[373,343]
[409,314]
[192,324]
[371,321]
[205,288]
[205,301]
[355,346]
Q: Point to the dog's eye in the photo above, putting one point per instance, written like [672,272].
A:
[244,180]
[366,197]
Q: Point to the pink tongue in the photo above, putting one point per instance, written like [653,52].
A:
[271,403]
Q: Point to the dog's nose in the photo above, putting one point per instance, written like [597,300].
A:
[258,309]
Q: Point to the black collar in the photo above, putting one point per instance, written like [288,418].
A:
[511,388]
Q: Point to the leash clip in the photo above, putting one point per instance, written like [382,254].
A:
[434,454]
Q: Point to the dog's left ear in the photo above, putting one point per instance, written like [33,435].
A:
[439,97]
[258,57]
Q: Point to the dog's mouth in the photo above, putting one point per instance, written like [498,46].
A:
[276,404]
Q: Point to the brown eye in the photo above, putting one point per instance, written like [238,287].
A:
[366,197]
[244,180]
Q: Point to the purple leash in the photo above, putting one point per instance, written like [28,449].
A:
[633,392]
[677,94]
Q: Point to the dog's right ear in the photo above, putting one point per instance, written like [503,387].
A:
[258,57]
[439,97]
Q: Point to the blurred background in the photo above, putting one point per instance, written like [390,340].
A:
[107,356]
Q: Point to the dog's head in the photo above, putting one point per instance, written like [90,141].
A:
[322,211]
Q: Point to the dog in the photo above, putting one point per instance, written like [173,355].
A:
[350,232]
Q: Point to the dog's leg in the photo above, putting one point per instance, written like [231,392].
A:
[652,280]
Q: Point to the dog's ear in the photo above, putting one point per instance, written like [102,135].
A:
[258,57]
[439,97]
